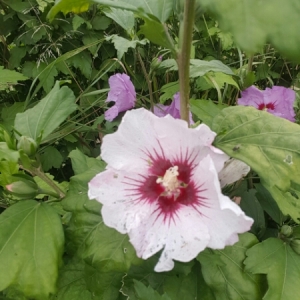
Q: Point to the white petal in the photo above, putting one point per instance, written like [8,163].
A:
[182,238]
[207,137]
[141,133]
[120,209]
[233,170]
[223,218]
[186,239]
[125,216]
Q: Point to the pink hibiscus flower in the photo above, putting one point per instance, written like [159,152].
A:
[161,187]
[278,100]
[173,109]
[122,92]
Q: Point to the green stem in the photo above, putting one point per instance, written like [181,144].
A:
[49,181]
[250,63]
[38,172]
[47,192]
[183,57]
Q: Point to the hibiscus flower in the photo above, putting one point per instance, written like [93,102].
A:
[161,187]
[122,92]
[278,100]
[173,109]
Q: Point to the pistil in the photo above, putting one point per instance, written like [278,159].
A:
[170,182]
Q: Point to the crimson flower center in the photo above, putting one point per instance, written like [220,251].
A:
[263,106]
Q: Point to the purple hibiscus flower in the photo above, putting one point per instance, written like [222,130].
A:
[277,100]
[173,109]
[122,92]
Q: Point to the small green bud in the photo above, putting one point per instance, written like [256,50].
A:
[286,230]
[155,63]
[23,189]
[28,145]
[295,244]
[22,186]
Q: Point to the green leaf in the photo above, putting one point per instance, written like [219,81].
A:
[268,204]
[78,228]
[169,64]
[8,154]
[48,114]
[51,158]
[79,281]
[148,293]
[252,208]
[188,286]
[281,264]
[56,63]
[124,18]
[45,73]
[76,199]
[8,77]
[43,4]
[77,22]
[66,6]
[31,246]
[206,110]
[223,270]
[161,9]
[201,67]
[7,168]
[12,294]
[268,144]
[72,284]
[101,22]
[18,5]
[122,45]
[46,78]
[89,38]
[83,62]
[226,40]
[184,281]
[168,91]
[85,213]
[104,285]
[106,249]
[16,55]
[29,69]
[249,79]
[156,32]
[82,163]
[8,114]
[220,79]
[254,23]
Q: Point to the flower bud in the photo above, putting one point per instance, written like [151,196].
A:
[24,189]
[295,244]
[155,63]
[28,145]
[286,230]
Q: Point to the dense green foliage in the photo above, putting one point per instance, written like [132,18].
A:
[54,68]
